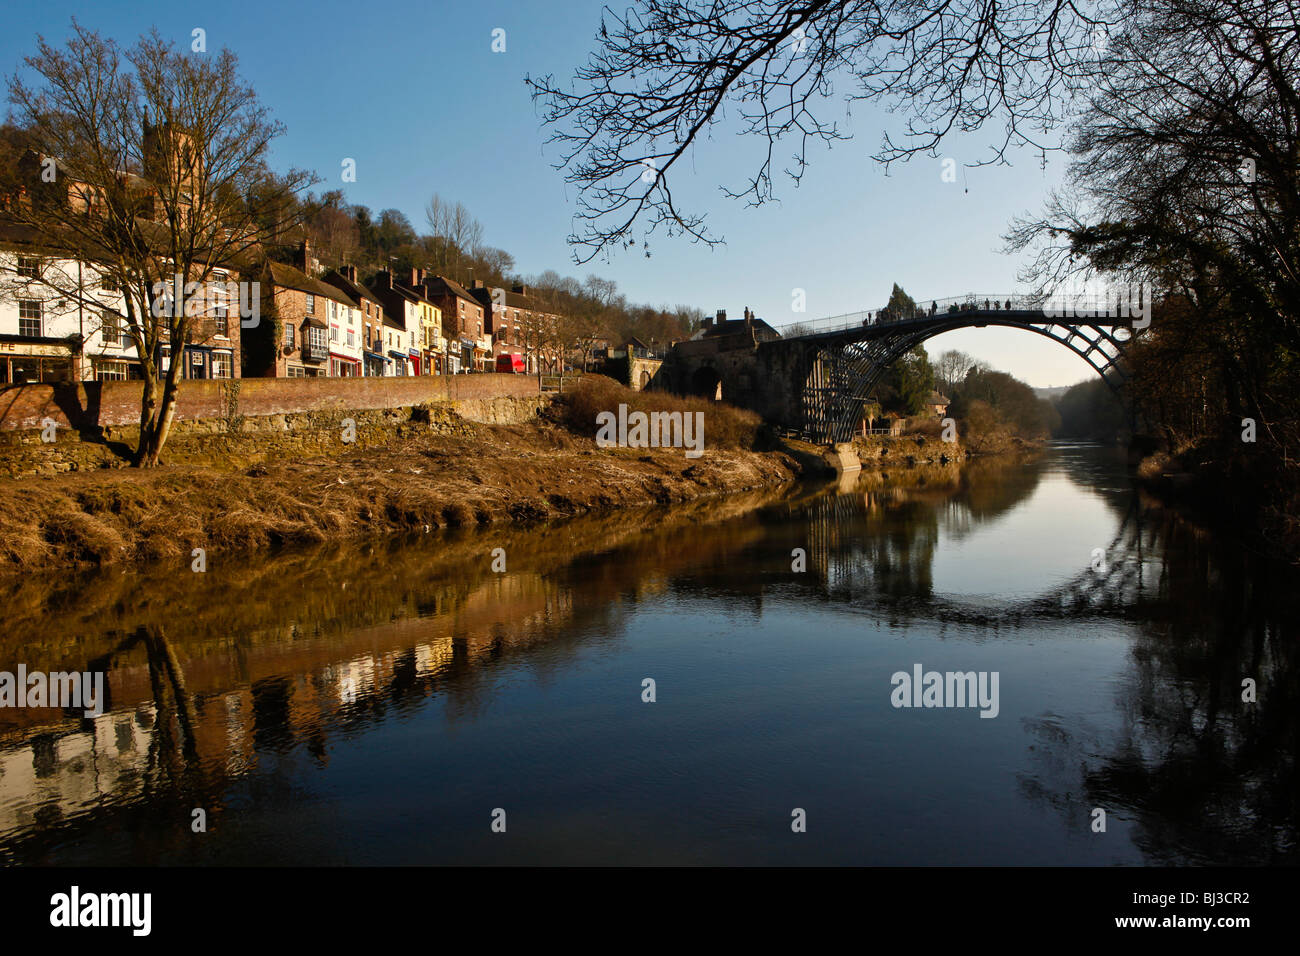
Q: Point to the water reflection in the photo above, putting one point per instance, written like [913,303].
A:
[311,702]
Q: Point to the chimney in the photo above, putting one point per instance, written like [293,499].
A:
[478,284]
[416,276]
[349,273]
[303,257]
[383,280]
[722,316]
[749,318]
[708,321]
[520,289]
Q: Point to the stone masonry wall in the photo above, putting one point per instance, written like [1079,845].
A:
[240,441]
[90,406]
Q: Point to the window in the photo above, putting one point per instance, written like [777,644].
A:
[111,371]
[29,317]
[219,317]
[331,310]
[29,266]
[220,365]
[111,329]
[109,284]
[318,338]
[311,304]
[288,335]
[352,337]
[334,333]
[297,371]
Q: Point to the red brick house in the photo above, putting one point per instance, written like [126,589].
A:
[519,324]
[464,323]
[292,340]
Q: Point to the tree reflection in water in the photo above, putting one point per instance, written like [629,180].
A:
[222,683]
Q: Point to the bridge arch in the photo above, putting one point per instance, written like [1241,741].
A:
[844,372]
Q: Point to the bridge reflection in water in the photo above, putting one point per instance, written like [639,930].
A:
[258,708]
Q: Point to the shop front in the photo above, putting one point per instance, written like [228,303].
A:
[201,361]
[344,366]
[24,361]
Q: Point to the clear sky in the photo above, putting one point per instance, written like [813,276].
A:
[414,94]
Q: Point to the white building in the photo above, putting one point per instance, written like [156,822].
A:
[60,320]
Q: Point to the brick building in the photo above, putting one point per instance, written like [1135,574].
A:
[292,337]
[469,342]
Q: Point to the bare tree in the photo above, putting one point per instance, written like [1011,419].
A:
[455,232]
[1186,177]
[665,72]
[950,368]
[153,169]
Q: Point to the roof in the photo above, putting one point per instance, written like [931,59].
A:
[287,277]
[762,330]
[441,284]
[937,399]
[46,242]
[353,290]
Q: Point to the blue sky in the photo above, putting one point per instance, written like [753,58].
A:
[413,92]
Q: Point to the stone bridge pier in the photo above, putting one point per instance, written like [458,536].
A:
[765,377]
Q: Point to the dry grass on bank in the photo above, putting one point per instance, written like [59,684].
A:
[505,473]
[725,426]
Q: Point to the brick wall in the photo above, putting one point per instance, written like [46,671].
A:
[90,405]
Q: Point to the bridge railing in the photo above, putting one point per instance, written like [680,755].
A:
[1077,306]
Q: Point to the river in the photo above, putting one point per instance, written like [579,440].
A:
[407,703]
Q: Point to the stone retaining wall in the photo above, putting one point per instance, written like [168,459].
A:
[89,406]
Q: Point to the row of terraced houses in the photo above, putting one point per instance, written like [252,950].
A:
[310,322]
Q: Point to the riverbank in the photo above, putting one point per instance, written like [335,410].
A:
[237,483]
[1253,499]
[415,470]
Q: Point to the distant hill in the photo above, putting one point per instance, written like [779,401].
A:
[1056,391]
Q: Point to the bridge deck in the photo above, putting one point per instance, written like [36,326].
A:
[978,311]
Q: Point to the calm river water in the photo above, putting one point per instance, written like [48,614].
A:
[388,704]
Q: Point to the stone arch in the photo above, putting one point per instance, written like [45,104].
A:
[707,383]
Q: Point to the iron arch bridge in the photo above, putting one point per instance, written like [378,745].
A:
[854,351]
[817,380]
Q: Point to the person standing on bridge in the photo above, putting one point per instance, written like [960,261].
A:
[934,307]
[986,305]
